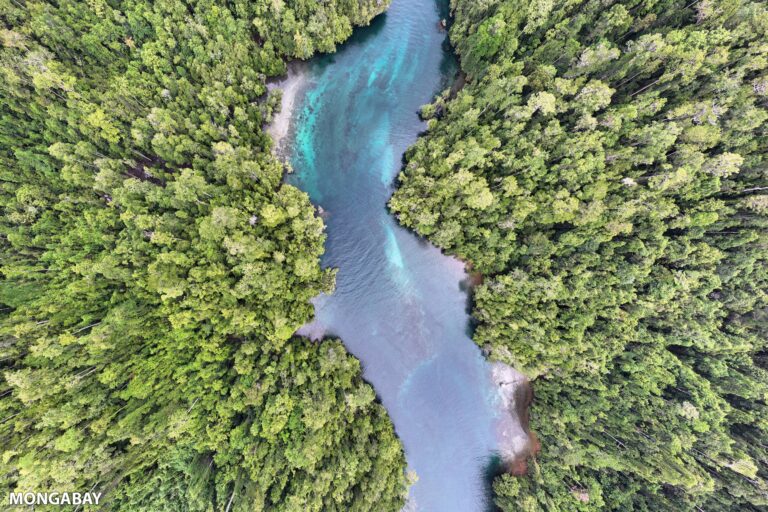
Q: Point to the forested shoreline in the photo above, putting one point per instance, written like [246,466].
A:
[154,266]
[604,168]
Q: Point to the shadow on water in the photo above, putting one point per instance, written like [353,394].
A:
[493,467]
[468,286]
[449,65]
[362,35]
[444,10]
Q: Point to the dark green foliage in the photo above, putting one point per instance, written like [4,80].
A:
[154,267]
[606,169]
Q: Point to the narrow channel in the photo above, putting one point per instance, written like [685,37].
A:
[400,305]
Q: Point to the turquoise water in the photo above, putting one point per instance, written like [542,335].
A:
[400,306]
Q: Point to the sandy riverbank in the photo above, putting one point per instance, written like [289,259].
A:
[516,440]
[292,85]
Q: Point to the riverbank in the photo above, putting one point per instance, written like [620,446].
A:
[292,85]
[517,442]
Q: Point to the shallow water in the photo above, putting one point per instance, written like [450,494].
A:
[400,306]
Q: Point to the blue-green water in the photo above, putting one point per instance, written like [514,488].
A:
[399,305]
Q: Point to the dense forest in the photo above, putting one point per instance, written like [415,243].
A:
[605,169]
[153,267]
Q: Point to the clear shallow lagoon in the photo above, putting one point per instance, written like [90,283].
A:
[400,306]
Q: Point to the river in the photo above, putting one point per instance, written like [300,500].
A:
[400,305]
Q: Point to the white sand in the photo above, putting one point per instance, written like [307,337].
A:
[292,85]
[514,389]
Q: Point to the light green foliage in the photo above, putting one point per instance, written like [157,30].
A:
[154,267]
[624,249]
